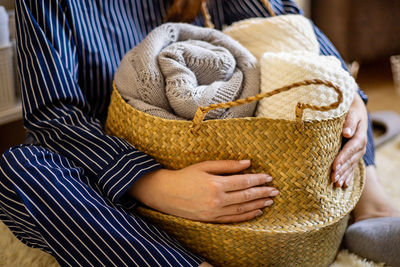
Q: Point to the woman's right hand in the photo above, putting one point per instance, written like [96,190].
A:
[204,192]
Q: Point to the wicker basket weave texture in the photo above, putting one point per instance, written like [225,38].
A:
[308,219]
[239,246]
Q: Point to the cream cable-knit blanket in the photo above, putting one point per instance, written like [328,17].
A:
[288,51]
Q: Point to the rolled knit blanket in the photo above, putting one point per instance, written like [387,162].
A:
[288,51]
[286,33]
[179,67]
[280,69]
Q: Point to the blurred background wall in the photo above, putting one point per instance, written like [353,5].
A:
[8,4]
[363,30]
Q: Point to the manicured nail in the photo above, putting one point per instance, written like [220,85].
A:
[244,161]
[274,193]
[347,182]
[347,131]
[268,202]
[259,213]
[338,167]
[336,178]
[268,178]
[341,182]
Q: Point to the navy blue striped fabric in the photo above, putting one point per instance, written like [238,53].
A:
[64,194]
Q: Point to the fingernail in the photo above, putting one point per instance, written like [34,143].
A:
[347,183]
[244,161]
[338,167]
[347,131]
[341,182]
[268,178]
[259,213]
[274,193]
[336,178]
[268,202]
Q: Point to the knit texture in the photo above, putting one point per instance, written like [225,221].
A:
[288,51]
[280,69]
[286,33]
[179,67]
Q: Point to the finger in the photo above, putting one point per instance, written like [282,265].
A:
[246,207]
[346,174]
[340,182]
[349,164]
[223,166]
[357,143]
[350,124]
[243,181]
[239,218]
[249,195]
[348,179]
[352,163]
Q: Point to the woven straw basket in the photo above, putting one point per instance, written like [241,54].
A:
[306,223]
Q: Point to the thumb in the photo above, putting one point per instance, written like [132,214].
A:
[223,166]
[350,124]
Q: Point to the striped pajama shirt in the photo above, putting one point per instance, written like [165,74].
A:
[65,192]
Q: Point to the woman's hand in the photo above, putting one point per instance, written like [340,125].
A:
[200,191]
[355,129]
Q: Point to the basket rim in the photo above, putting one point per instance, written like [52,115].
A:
[115,93]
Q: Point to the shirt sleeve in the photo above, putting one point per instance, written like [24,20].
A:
[55,110]
[242,9]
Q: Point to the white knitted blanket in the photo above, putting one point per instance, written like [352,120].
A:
[286,33]
[288,51]
[280,69]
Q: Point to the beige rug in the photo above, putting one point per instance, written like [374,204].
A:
[15,253]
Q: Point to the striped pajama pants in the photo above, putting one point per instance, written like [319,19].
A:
[49,203]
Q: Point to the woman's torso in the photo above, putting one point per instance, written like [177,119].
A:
[104,30]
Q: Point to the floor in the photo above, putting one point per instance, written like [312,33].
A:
[11,134]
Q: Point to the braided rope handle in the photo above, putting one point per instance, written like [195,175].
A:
[207,17]
[300,107]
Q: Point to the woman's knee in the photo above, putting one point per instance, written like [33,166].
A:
[13,153]
[36,170]
[11,168]
[18,163]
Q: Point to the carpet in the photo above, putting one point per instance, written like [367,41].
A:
[15,253]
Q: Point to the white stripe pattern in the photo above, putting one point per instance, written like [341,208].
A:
[64,194]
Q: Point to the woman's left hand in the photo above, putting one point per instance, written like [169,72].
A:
[355,129]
